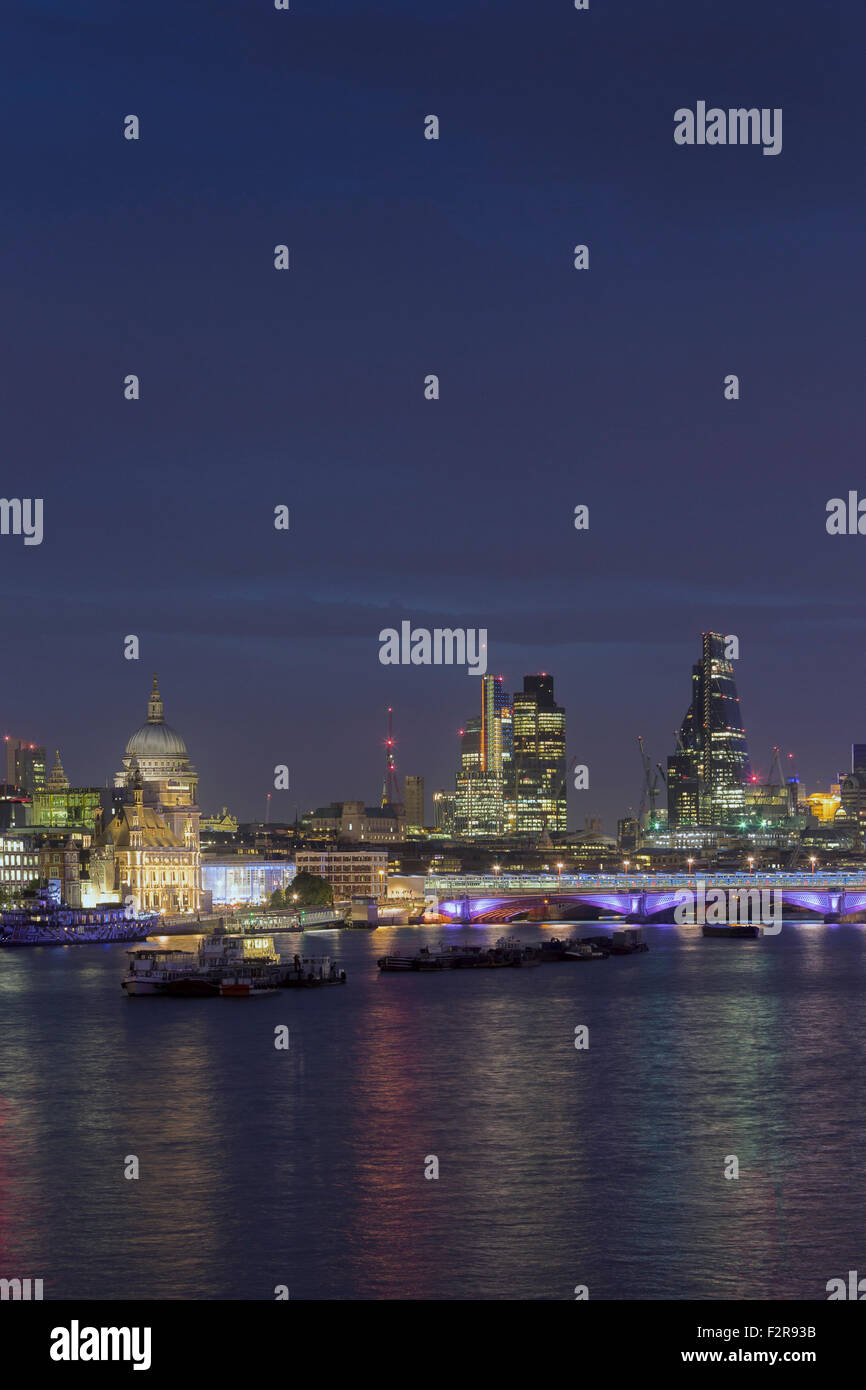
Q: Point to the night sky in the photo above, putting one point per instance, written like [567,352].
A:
[412,257]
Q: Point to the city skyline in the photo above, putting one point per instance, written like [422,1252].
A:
[558,388]
[620,800]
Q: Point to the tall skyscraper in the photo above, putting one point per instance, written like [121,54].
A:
[479,809]
[539,758]
[413,796]
[707,775]
[29,766]
[470,746]
[479,804]
[494,701]
[444,811]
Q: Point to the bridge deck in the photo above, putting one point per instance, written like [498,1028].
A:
[497,885]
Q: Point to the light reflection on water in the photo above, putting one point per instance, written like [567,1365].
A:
[557,1167]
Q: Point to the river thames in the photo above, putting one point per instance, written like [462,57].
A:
[558,1167]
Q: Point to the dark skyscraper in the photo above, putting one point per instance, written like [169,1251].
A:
[25,764]
[413,793]
[708,773]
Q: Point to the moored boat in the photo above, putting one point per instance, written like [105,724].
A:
[152,971]
[53,924]
[248,982]
[737,930]
[585,950]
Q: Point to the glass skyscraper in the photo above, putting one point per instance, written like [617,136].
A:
[539,757]
[707,775]
[512,776]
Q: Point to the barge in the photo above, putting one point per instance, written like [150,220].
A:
[512,953]
[225,965]
[51,924]
[748,930]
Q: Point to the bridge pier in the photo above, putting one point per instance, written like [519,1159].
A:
[836,903]
[638,914]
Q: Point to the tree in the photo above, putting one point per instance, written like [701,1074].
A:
[277,899]
[310,891]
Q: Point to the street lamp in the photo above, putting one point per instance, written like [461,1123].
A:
[812,861]
[690,862]
[751,864]
[626,863]
[560,868]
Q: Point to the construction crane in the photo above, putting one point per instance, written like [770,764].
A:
[390,785]
[795,852]
[651,786]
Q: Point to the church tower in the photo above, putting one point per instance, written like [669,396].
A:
[155,833]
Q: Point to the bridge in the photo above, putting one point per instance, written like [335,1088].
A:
[500,897]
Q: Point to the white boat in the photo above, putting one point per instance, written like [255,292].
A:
[151,970]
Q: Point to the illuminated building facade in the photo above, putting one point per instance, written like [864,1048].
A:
[708,775]
[241,879]
[483,802]
[495,744]
[155,828]
[470,746]
[25,764]
[444,811]
[512,774]
[58,804]
[351,873]
[539,758]
[824,805]
[479,804]
[19,868]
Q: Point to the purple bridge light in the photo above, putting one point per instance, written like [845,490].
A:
[499,897]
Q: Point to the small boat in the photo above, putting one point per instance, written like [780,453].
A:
[151,971]
[585,950]
[306,972]
[626,941]
[739,930]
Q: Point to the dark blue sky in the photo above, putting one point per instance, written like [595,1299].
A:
[411,257]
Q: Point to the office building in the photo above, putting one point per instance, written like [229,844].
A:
[413,796]
[350,872]
[708,774]
[539,758]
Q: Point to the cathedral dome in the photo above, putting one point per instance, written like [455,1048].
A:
[155,739]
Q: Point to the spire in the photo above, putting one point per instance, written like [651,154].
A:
[155,713]
[57,780]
